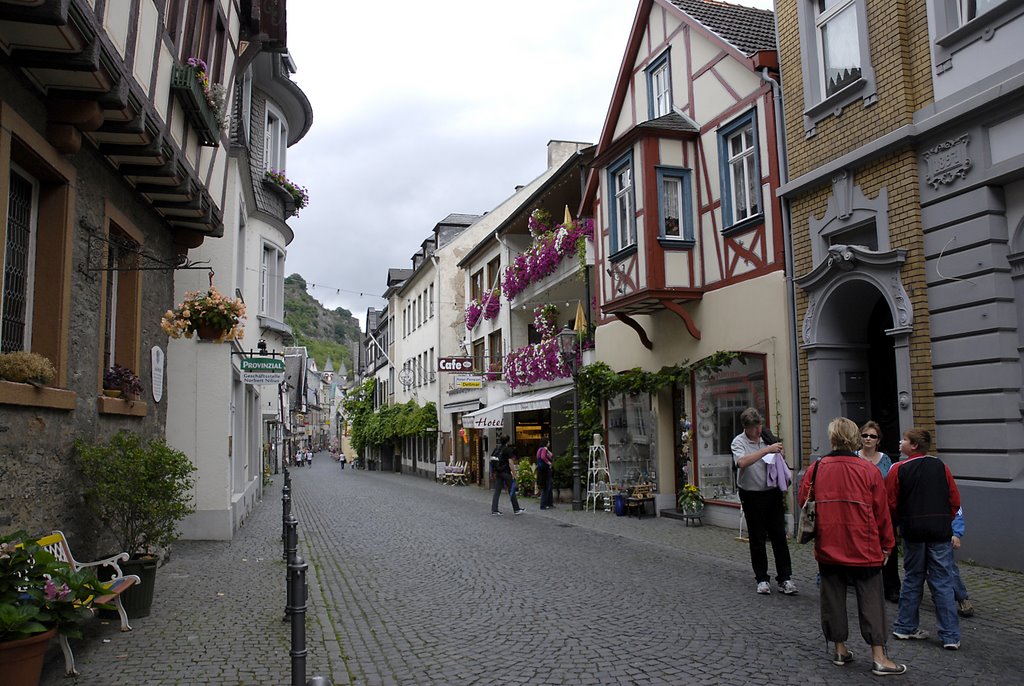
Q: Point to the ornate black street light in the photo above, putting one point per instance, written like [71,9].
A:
[568,343]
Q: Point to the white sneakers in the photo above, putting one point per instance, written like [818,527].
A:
[787,587]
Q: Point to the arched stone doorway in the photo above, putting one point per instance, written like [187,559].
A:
[855,334]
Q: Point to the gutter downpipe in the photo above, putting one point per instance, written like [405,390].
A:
[787,238]
[437,376]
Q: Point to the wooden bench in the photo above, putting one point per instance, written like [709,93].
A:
[57,545]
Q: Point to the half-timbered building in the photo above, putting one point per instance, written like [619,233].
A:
[690,242]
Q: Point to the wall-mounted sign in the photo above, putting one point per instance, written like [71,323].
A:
[157,358]
[262,370]
[484,422]
[455,364]
[469,381]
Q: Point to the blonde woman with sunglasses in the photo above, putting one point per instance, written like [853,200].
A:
[870,437]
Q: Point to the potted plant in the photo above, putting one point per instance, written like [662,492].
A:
[139,493]
[118,381]
[39,597]
[24,367]
[210,315]
[690,500]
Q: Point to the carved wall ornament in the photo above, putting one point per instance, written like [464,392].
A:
[904,400]
[947,161]
[842,190]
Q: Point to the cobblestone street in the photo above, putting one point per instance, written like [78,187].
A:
[412,582]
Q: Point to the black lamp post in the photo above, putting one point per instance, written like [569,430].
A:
[567,344]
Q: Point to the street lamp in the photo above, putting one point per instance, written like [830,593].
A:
[567,344]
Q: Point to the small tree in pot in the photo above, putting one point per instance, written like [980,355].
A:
[139,493]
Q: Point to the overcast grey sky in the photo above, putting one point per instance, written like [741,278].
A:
[421,109]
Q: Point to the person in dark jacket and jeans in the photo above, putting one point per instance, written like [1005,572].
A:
[924,499]
[853,540]
[503,477]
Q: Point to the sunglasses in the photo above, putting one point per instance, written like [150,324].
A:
[874,436]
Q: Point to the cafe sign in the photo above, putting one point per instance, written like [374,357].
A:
[457,365]
[259,371]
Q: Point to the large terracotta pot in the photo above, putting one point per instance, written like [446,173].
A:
[21,662]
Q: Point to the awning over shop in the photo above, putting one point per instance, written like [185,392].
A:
[492,417]
[464,406]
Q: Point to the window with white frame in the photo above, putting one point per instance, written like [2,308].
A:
[121,296]
[622,216]
[271,300]
[275,140]
[835,58]
[972,9]
[659,87]
[839,44]
[247,103]
[19,262]
[675,213]
[740,169]
[431,301]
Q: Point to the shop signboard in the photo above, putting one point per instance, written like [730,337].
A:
[262,370]
[469,381]
[485,421]
[455,365]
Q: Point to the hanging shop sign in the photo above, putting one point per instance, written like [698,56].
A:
[469,381]
[262,370]
[455,364]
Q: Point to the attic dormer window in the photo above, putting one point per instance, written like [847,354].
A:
[659,87]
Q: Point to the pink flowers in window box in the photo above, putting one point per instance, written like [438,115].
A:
[532,363]
[492,304]
[473,311]
[546,253]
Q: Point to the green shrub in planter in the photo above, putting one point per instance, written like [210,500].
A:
[138,492]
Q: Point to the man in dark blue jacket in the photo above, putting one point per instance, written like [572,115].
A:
[503,476]
[924,498]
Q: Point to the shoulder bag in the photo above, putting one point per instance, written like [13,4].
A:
[808,513]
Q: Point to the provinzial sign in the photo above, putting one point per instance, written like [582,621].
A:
[455,364]
[262,370]
[469,381]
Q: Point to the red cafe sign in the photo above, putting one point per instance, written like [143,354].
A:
[455,364]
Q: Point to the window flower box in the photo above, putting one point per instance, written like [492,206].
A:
[186,84]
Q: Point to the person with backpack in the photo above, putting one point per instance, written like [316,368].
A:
[544,475]
[501,462]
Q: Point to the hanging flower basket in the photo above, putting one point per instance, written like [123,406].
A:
[473,311]
[209,314]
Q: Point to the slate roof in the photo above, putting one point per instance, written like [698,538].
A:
[748,29]
[673,121]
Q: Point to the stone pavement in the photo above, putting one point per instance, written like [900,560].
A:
[413,582]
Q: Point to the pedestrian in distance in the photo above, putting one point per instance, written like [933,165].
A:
[545,474]
[343,460]
[924,500]
[871,435]
[502,460]
[763,503]
[964,607]
[853,539]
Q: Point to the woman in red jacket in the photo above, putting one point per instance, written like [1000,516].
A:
[854,539]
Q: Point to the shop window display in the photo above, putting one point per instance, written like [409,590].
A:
[720,398]
[631,440]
